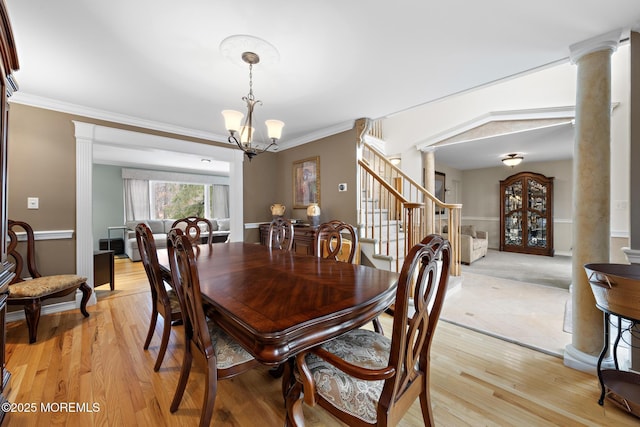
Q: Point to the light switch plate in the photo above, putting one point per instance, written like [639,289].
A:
[33,202]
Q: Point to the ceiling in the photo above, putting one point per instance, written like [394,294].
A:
[158,63]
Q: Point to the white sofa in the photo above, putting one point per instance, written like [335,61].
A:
[160,228]
[473,243]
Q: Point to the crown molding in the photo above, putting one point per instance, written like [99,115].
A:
[608,41]
[561,112]
[80,110]
[93,113]
[317,134]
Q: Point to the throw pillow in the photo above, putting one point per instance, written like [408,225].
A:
[156,226]
[469,230]
[223,224]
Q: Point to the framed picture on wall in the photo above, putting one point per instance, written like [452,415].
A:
[306,182]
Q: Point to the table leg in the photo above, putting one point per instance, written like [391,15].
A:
[293,396]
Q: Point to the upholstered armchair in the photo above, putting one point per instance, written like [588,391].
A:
[29,292]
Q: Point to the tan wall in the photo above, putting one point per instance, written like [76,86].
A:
[41,163]
[261,178]
[269,181]
[337,155]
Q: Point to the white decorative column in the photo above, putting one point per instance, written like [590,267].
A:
[633,252]
[591,199]
[84,134]
[429,162]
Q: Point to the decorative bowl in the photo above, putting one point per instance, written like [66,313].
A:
[616,288]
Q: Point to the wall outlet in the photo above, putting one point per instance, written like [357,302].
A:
[342,187]
[33,202]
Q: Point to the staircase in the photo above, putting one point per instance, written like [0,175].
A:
[395,213]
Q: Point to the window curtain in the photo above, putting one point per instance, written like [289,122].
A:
[136,199]
[220,201]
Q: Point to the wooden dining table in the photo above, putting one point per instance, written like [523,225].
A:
[277,303]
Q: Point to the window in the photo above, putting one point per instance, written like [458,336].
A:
[174,200]
[152,199]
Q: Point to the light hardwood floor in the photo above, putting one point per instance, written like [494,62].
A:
[476,379]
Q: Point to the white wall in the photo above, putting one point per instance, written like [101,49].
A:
[107,201]
[549,87]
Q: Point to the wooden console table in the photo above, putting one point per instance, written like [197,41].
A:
[303,237]
[103,269]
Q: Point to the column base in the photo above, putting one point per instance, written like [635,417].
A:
[580,361]
[633,255]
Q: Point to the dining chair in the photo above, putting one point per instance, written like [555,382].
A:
[221,356]
[194,228]
[366,379]
[337,240]
[30,292]
[280,234]
[164,302]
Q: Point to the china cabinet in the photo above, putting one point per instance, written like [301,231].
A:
[526,214]
[8,64]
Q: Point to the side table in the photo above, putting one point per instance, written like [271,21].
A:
[119,228]
[103,269]
[616,290]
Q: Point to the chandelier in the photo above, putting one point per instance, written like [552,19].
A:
[242,133]
[512,160]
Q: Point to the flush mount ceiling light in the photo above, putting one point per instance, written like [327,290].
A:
[512,160]
[242,132]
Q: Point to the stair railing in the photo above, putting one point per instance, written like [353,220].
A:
[397,212]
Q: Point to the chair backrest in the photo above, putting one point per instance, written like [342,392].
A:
[280,234]
[12,250]
[336,240]
[184,276]
[413,332]
[193,226]
[149,258]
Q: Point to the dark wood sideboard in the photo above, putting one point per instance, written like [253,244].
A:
[8,64]
[303,236]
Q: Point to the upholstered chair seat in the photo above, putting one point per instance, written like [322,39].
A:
[41,286]
[228,352]
[352,395]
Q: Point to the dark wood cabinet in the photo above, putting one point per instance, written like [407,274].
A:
[8,64]
[303,237]
[103,271]
[526,214]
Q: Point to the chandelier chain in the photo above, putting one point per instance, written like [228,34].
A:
[251,82]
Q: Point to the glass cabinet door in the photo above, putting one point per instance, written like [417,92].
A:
[513,214]
[536,214]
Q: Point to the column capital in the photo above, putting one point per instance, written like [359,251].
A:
[607,41]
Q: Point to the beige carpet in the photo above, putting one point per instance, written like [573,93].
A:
[543,270]
[528,314]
